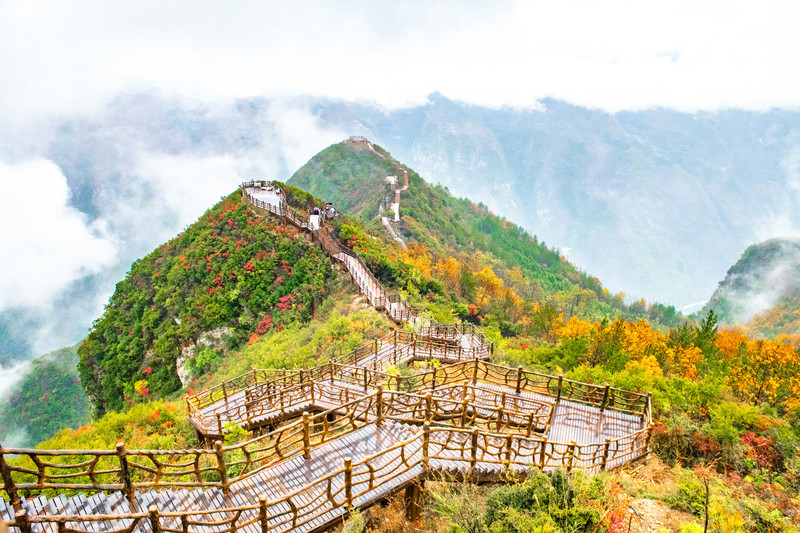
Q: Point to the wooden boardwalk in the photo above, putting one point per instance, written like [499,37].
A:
[311,493]
[341,436]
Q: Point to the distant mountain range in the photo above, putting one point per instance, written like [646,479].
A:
[654,203]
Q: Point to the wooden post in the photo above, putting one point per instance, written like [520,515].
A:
[560,380]
[313,398]
[155,523]
[306,436]
[8,481]
[426,440]
[255,377]
[221,466]
[475,372]
[530,425]
[379,406]
[571,452]
[474,450]
[509,445]
[519,379]
[433,384]
[464,406]
[499,418]
[127,486]
[333,369]
[219,423]
[542,453]
[647,438]
[21,521]
[399,381]
[262,514]
[605,398]
[604,462]
[428,405]
[348,483]
[225,392]
[247,407]
[365,379]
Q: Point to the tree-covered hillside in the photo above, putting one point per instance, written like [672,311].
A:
[760,289]
[459,238]
[229,275]
[47,399]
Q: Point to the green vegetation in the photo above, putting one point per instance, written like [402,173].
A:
[48,398]
[727,407]
[229,270]
[458,239]
[765,274]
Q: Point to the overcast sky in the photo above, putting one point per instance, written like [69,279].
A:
[689,55]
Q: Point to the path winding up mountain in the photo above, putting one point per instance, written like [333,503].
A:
[330,439]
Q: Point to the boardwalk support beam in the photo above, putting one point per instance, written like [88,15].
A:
[413,501]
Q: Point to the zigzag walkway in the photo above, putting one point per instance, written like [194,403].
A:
[341,436]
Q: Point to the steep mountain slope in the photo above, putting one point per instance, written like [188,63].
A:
[226,276]
[353,176]
[762,285]
[47,399]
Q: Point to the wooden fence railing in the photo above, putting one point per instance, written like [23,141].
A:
[404,346]
[282,396]
[469,452]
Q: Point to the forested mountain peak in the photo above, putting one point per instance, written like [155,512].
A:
[762,288]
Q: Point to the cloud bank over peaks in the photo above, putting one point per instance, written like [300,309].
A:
[46,242]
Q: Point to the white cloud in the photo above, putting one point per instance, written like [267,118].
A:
[300,135]
[46,243]
[187,185]
[686,54]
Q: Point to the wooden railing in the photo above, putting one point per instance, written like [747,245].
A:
[283,395]
[406,346]
[127,470]
[470,453]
